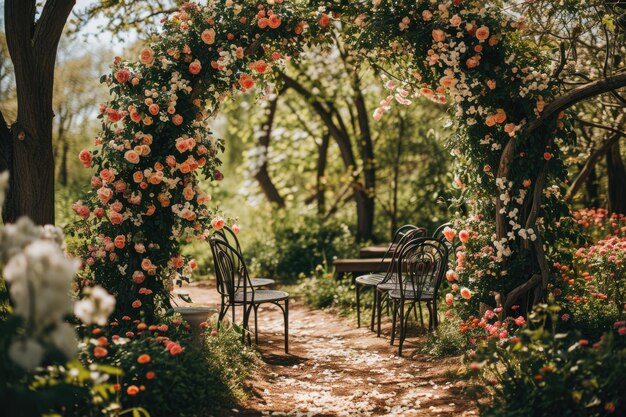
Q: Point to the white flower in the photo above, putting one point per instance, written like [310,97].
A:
[40,279]
[27,353]
[95,307]
[63,338]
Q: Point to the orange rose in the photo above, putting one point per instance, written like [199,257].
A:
[274,21]
[131,156]
[482,33]
[146,56]
[208,36]
[85,157]
[143,359]
[100,352]
[132,390]
[246,82]
[120,241]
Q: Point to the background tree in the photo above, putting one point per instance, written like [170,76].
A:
[588,44]
[32,35]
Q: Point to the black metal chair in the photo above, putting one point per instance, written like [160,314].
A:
[421,266]
[228,236]
[390,276]
[373,279]
[235,287]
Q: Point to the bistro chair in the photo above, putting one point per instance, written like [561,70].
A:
[227,235]
[420,269]
[235,288]
[404,233]
[373,279]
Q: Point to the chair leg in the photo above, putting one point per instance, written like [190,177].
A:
[374,309]
[358,305]
[435,315]
[245,327]
[256,324]
[379,311]
[394,311]
[430,317]
[286,318]
[402,328]
[421,314]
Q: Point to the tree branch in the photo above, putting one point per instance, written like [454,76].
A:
[590,165]
[50,25]
[577,95]
[520,290]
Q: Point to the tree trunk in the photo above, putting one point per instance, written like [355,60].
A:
[591,189]
[263,176]
[28,153]
[366,197]
[617,180]
[322,160]
[63,171]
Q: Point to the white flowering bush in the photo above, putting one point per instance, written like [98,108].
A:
[37,338]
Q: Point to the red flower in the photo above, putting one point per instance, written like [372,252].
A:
[145,358]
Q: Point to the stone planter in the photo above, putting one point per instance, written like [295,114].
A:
[196,315]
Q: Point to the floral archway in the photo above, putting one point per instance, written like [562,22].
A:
[156,143]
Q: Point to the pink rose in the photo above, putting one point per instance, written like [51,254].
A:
[218,223]
[451,276]
[208,36]
[120,241]
[449,299]
[449,233]
[122,76]
[146,56]
[455,21]
[464,236]
[131,156]
[466,293]
[438,35]
[104,194]
[235,229]
[85,157]
[138,277]
[482,33]
[195,67]
[116,218]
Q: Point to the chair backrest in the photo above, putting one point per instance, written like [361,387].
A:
[403,235]
[228,235]
[230,269]
[421,265]
[439,231]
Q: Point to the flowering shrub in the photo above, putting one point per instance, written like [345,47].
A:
[37,343]
[591,281]
[324,290]
[544,372]
[166,372]
[298,245]
[156,141]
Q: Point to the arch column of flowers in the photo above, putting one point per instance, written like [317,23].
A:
[155,140]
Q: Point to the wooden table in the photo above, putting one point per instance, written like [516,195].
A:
[376,251]
[360,266]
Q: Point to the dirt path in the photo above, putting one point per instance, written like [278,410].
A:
[335,369]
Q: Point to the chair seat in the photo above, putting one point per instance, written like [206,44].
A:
[262,296]
[262,282]
[388,286]
[370,279]
[426,295]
